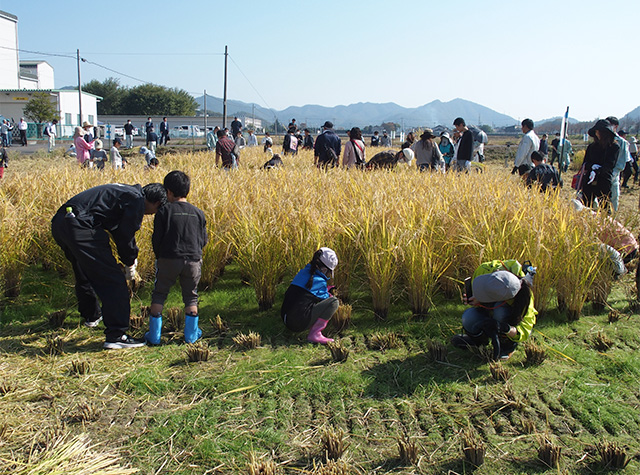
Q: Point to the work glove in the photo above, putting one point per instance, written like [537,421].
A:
[130,271]
[592,177]
[595,166]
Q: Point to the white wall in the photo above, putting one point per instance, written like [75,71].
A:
[68,104]
[45,76]
[9,78]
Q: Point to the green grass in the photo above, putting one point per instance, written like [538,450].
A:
[162,412]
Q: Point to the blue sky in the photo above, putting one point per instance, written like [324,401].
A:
[525,59]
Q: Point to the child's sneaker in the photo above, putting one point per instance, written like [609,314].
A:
[123,342]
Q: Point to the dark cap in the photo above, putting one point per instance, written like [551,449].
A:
[601,125]
[117,140]
[328,125]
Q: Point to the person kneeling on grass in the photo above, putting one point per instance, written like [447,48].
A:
[307,301]
[502,309]
[179,235]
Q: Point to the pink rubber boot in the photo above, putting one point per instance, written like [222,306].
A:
[315,334]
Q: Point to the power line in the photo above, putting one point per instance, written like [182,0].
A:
[114,71]
[61,55]
[254,88]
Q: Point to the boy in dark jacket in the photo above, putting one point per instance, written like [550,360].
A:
[542,174]
[81,227]
[179,235]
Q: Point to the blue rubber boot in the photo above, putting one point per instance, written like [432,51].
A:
[155,329]
[192,332]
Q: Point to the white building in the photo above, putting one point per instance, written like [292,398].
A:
[19,80]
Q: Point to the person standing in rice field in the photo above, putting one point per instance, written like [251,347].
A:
[529,143]
[179,235]
[307,302]
[354,150]
[599,164]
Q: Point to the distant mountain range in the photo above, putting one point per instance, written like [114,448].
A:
[367,113]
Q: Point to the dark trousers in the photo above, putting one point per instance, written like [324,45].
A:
[97,273]
[164,136]
[23,137]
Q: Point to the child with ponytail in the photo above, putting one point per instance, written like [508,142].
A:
[307,302]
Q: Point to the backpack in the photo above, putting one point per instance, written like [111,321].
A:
[46,130]
[479,135]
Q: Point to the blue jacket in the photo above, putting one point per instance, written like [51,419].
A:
[318,286]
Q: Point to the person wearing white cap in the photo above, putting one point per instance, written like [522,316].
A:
[307,302]
[446,148]
[502,307]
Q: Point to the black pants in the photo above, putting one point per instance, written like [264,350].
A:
[97,273]
[23,137]
[164,137]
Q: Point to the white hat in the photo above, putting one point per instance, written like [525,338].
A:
[329,258]
[408,155]
[496,287]
[143,149]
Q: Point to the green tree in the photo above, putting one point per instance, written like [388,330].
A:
[41,108]
[111,92]
[151,99]
[486,128]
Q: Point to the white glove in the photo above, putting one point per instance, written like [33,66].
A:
[130,271]
[595,166]
[592,177]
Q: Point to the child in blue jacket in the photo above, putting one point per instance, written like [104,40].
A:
[307,301]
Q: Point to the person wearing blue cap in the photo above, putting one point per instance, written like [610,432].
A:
[502,307]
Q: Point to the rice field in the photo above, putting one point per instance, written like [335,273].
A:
[400,401]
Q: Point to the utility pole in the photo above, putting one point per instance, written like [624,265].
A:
[205,113]
[224,101]
[79,87]
[253,117]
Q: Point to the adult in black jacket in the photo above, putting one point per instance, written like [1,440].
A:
[327,141]
[164,131]
[81,227]
[542,174]
[599,161]
[465,145]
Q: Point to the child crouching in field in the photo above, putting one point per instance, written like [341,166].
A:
[179,235]
[307,302]
[502,308]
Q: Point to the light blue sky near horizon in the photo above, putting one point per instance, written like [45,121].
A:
[523,59]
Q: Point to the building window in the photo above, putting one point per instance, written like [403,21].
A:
[91,119]
[67,119]
[79,120]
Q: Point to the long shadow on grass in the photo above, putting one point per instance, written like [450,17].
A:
[402,377]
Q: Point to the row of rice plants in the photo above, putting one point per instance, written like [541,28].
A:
[431,230]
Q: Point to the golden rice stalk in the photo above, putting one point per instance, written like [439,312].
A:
[612,455]
[219,326]
[408,450]
[602,342]
[342,318]
[84,412]
[333,444]
[548,452]
[145,311]
[54,345]
[198,351]
[7,387]
[56,319]
[473,448]
[249,341]
[527,426]
[262,467]
[137,322]
[80,367]
[383,341]
[69,456]
[175,319]
[499,372]
[535,353]
[339,352]
[337,467]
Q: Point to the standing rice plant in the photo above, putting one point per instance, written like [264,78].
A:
[15,239]
[378,244]
[342,318]
[580,265]
[425,257]
[260,251]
